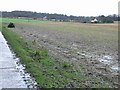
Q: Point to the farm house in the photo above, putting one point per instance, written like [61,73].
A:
[94,21]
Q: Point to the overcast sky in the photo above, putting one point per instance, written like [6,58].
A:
[68,7]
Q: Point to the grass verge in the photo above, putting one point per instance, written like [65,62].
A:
[47,71]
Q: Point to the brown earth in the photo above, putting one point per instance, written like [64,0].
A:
[79,44]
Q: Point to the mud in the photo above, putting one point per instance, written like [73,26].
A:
[97,53]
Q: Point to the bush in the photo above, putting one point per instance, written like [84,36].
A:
[11,25]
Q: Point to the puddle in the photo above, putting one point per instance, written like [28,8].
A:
[108,60]
[115,67]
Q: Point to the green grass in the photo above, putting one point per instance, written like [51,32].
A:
[15,20]
[0,24]
[0,28]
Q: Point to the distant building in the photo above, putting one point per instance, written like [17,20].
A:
[94,21]
[45,18]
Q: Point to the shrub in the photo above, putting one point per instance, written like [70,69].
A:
[11,25]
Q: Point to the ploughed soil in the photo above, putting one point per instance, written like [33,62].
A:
[95,46]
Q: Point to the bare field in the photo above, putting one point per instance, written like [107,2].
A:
[95,46]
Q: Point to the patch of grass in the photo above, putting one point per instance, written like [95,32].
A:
[39,54]
[0,26]
[15,20]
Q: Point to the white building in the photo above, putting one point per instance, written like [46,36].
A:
[94,21]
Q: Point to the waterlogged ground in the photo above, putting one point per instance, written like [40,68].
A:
[12,73]
[95,46]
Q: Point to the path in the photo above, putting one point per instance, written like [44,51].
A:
[9,75]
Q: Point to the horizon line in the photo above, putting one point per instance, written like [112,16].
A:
[60,13]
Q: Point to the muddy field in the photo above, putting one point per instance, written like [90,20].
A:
[95,46]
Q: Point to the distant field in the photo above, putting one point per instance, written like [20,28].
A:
[15,20]
[87,47]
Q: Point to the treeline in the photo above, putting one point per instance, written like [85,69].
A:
[59,17]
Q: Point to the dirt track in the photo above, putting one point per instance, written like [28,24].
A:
[97,53]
